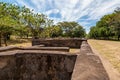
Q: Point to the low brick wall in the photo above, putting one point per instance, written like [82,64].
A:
[64,42]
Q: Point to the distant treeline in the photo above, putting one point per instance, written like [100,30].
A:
[108,27]
[23,22]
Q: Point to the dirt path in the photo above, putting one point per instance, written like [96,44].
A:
[113,73]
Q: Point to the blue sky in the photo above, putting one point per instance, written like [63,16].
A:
[85,12]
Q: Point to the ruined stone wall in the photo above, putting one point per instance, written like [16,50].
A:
[65,42]
[88,65]
[7,67]
[11,48]
[37,65]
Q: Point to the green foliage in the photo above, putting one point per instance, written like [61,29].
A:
[51,31]
[71,29]
[23,22]
[107,27]
[93,32]
[7,20]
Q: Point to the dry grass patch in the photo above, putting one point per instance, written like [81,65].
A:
[74,50]
[20,42]
[108,49]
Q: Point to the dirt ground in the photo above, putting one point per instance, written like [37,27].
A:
[109,53]
[74,50]
[20,42]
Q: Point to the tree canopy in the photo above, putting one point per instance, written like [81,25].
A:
[72,29]
[108,27]
[23,22]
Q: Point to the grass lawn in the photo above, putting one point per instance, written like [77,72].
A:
[109,50]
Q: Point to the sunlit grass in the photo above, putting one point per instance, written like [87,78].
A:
[19,42]
[74,50]
[108,49]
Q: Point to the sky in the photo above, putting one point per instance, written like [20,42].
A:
[85,12]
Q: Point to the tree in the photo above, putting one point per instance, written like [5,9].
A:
[93,32]
[20,20]
[116,22]
[71,29]
[108,26]
[51,31]
[7,20]
[23,22]
[79,31]
[34,21]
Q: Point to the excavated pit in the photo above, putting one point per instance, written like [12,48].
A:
[51,63]
[36,65]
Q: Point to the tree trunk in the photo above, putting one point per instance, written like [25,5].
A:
[5,41]
[0,40]
[27,36]
[8,36]
[118,37]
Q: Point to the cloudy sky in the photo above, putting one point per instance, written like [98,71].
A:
[85,12]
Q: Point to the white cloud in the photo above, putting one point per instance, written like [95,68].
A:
[103,8]
[24,3]
[52,11]
[74,10]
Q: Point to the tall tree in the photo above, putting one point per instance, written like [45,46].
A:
[108,26]
[72,29]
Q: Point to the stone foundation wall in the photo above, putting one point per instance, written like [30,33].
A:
[37,66]
[11,48]
[67,42]
[7,67]
[88,65]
